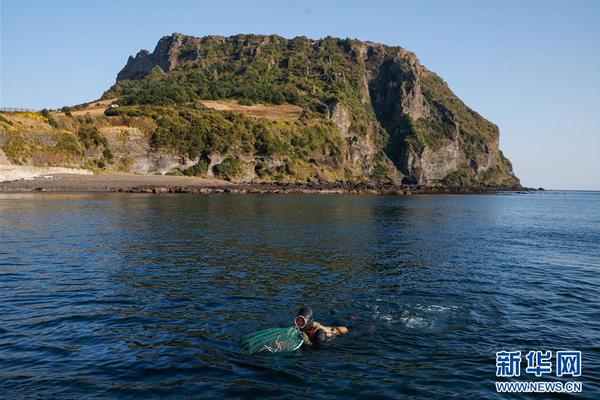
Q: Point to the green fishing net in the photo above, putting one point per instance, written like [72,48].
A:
[273,340]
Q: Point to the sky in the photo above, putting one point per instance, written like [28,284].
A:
[531,67]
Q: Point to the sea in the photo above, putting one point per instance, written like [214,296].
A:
[112,295]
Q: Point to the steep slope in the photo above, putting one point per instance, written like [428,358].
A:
[386,105]
[265,108]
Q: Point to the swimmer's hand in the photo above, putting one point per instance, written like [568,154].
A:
[304,337]
[341,330]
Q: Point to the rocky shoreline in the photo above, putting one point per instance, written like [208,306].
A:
[319,188]
[127,183]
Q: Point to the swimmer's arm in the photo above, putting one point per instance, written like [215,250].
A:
[306,339]
[332,331]
[319,337]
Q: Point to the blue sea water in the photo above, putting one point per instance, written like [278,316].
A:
[147,296]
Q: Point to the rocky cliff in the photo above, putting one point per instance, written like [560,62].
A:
[165,55]
[388,107]
[265,108]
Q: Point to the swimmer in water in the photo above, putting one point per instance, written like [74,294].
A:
[314,332]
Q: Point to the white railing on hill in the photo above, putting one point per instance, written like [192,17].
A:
[16,109]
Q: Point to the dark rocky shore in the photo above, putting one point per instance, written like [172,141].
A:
[127,183]
[320,188]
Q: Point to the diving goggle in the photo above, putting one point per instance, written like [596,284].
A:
[300,321]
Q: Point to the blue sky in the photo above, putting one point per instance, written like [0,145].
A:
[532,67]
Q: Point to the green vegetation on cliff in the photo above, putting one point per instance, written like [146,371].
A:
[199,132]
[366,112]
[257,69]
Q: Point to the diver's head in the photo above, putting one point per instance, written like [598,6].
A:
[304,318]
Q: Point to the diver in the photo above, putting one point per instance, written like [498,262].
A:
[314,332]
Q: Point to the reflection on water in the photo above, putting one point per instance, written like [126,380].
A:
[112,295]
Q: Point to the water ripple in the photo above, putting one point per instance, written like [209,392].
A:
[110,295]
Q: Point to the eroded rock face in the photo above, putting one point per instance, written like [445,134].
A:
[430,129]
[11,172]
[165,55]
[397,113]
[437,164]
[215,159]
[247,173]
[132,153]
[396,90]
[359,153]
[3,158]
[340,115]
[487,160]
[160,163]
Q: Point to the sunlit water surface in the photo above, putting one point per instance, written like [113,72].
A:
[120,295]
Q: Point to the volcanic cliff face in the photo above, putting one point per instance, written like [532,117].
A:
[396,120]
[165,55]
